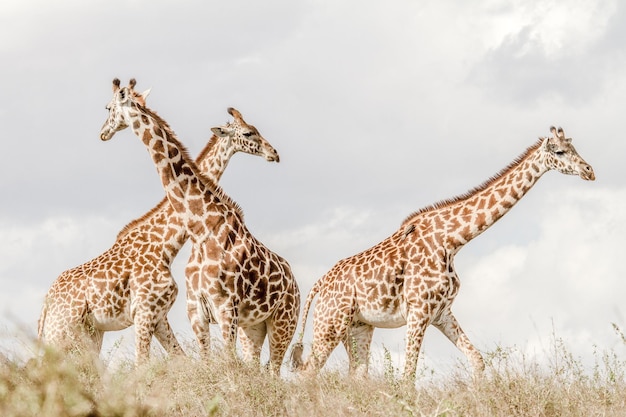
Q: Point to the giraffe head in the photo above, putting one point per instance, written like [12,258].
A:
[560,155]
[123,97]
[245,138]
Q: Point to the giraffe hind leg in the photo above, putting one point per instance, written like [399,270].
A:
[330,326]
[197,313]
[282,327]
[165,335]
[251,339]
[357,343]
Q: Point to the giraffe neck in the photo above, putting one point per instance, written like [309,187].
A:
[192,195]
[465,217]
[212,161]
[214,158]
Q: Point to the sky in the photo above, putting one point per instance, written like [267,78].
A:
[376,108]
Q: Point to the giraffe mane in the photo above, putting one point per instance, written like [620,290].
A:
[208,182]
[206,148]
[449,201]
[134,223]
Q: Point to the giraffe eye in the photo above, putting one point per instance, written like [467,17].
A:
[559,153]
[247,134]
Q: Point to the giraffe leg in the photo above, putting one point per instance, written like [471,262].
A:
[165,335]
[228,321]
[357,343]
[61,333]
[199,324]
[65,324]
[144,329]
[320,351]
[163,295]
[251,339]
[331,319]
[416,327]
[88,335]
[97,336]
[196,306]
[449,326]
[282,327]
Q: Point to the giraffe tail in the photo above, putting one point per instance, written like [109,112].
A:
[42,321]
[298,347]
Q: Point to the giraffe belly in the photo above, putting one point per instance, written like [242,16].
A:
[112,323]
[110,320]
[382,318]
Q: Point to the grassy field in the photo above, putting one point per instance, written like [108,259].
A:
[511,386]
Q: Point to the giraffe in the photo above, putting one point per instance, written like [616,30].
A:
[232,278]
[409,278]
[131,282]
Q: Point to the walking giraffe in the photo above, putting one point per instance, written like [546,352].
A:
[131,283]
[232,278]
[409,278]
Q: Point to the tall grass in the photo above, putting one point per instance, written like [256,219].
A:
[512,385]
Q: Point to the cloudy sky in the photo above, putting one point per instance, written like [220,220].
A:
[376,108]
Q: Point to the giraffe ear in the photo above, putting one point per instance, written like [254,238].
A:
[221,131]
[141,98]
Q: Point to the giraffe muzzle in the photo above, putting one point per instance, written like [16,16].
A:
[586,173]
[106,135]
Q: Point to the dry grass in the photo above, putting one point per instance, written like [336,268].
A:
[511,386]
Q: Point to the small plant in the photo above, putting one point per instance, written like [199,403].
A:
[80,385]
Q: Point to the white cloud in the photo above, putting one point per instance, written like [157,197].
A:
[551,50]
[557,28]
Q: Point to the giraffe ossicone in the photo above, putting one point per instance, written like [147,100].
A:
[409,278]
[131,283]
[232,278]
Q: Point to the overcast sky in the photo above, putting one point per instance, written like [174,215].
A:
[376,108]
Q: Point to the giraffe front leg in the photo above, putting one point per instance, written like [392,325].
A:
[144,329]
[357,343]
[449,326]
[417,323]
